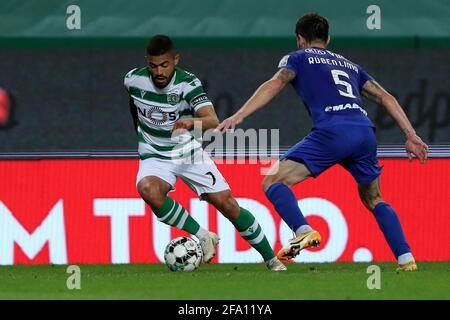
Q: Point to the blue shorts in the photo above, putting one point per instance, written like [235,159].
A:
[353,147]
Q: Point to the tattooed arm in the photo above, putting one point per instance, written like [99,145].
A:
[373,91]
[266,92]
[414,145]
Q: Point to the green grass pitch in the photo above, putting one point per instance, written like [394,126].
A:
[226,281]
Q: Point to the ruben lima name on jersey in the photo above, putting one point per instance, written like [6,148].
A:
[342,62]
[159,109]
[329,86]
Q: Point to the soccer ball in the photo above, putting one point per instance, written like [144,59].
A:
[183,254]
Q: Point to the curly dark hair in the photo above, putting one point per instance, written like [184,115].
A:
[312,27]
[159,45]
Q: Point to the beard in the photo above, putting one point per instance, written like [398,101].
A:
[162,81]
[160,85]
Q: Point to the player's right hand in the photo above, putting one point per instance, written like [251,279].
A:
[415,146]
[229,124]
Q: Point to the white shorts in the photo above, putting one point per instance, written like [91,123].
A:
[200,173]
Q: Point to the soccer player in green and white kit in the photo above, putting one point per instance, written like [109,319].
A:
[165,100]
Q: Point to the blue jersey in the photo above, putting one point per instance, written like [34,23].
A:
[329,85]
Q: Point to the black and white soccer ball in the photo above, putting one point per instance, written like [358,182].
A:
[183,254]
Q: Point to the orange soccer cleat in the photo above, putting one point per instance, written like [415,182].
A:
[410,266]
[302,241]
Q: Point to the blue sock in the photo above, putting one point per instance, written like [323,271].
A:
[285,203]
[390,226]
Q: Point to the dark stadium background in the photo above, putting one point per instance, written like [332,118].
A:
[68,150]
[67,84]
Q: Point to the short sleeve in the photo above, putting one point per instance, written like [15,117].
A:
[127,79]
[196,96]
[289,61]
[363,78]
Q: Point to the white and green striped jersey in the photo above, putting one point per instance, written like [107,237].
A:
[159,109]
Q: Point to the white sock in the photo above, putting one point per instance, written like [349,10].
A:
[270,261]
[302,229]
[405,258]
[201,233]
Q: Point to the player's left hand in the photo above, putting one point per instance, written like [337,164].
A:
[415,146]
[183,124]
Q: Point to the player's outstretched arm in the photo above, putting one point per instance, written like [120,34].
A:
[414,145]
[266,92]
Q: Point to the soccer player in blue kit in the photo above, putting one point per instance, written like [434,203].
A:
[331,87]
